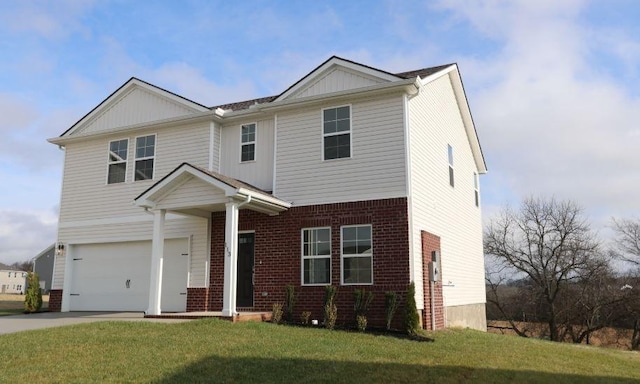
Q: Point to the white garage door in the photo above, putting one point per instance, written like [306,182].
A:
[115,276]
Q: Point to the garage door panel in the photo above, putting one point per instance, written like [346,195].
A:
[116,276]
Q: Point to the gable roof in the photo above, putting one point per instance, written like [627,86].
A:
[122,91]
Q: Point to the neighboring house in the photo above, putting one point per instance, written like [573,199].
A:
[12,281]
[352,176]
[43,266]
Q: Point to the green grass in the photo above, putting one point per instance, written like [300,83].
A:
[223,352]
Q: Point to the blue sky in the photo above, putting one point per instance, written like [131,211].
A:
[553,86]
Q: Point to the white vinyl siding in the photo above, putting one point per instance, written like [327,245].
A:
[93,211]
[375,170]
[435,121]
[135,107]
[338,80]
[259,172]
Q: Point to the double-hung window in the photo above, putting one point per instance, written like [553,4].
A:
[336,132]
[248,145]
[117,168]
[145,156]
[450,155]
[356,254]
[316,256]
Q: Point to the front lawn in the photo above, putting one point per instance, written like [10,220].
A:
[218,351]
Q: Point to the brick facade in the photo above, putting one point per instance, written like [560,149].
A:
[55,300]
[197,299]
[431,243]
[278,256]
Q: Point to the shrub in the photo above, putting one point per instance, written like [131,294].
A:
[411,319]
[361,301]
[305,317]
[361,322]
[330,308]
[390,307]
[290,299]
[276,313]
[33,297]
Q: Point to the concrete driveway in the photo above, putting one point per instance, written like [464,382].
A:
[18,323]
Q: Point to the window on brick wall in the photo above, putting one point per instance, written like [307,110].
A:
[316,256]
[356,254]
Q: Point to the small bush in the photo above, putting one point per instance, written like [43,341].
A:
[361,302]
[33,296]
[330,308]
[361,322]
[390,307]
[305,317]
[276,313]
[411,320]
[290,299]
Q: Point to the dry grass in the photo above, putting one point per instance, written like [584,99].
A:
[608,337]
[14,304]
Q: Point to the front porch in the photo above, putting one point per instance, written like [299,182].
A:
[193,191]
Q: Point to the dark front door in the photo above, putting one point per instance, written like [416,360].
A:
[244,296]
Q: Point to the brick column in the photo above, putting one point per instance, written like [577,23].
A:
[431,242]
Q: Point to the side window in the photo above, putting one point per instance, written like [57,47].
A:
[316,256]
[117,168]
[450,155]
[476,188]
[145,156]
[356,254]
[336,132]
[248,143]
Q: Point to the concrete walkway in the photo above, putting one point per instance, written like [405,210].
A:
[18,323]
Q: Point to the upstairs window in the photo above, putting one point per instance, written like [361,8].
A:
[357,254]
[336,132]
[476,188]
[248,143]
[145,156]
[450,154]
[316,256]
[117,168]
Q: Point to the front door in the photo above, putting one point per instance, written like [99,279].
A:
[244,287]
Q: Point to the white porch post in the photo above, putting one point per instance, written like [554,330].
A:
[157,252]
[230,259]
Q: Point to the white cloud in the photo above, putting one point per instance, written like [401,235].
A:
[23,234]
[46,19]
[549,122]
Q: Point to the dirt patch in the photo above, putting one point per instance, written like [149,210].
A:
[608,337]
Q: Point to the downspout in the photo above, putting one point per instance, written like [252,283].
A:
[432,286]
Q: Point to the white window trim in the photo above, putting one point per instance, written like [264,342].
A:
[254,142]
[135,157]
[342,256]
[476,189]
[451,169]
[323,135]
[126,162]
[303,258]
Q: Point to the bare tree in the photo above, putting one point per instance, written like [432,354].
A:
[628,240]
[550,243]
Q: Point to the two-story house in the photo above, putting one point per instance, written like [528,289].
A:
[12,281]
[351,177]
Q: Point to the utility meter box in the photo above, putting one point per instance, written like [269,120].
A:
[434,266]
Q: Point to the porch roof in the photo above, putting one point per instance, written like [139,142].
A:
[195,191]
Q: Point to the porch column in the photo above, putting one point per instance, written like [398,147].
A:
[157,252]
[230,259]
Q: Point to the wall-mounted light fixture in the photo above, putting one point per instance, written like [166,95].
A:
[60,249]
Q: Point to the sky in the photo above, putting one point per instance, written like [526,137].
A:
[553,86]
